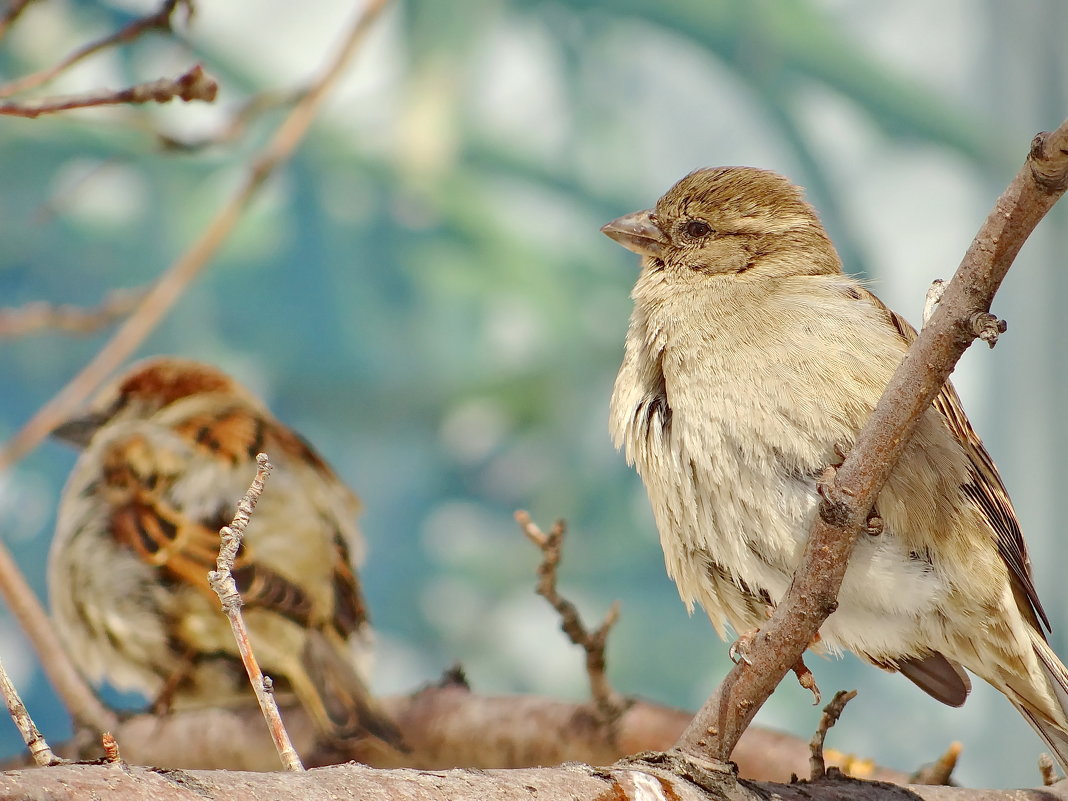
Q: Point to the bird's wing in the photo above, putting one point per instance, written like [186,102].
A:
[139,468]
[985,489]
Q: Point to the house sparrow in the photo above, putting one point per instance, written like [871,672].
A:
[750,360]
[169,448]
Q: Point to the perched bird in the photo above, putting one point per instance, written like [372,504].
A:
[750,360]
[169,448]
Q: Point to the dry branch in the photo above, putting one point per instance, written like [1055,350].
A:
[849,498]
[35,741]
[448,726]
[830,716]
[164,293]
[157,21]
[221,580]
[38,317]
[193,84]
[609,703]
[567,782]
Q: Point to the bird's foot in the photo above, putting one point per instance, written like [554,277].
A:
[739,650]
[806,679]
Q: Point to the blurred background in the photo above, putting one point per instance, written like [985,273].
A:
[423,291]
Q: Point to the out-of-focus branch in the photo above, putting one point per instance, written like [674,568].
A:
[157,21]
[33,738]
[850,495]
[609,703]
[164,293]
[41,317]
[569,782]
[448,726]
[194,84]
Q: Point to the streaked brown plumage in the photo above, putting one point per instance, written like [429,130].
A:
[170,446]
[750,357]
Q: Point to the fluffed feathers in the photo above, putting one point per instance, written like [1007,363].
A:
[170,446]
[750,360]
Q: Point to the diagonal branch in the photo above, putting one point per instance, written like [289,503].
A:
[39,317]
[849,497]
[193,84]
[159,20]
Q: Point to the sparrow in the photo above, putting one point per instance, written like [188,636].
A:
[169,448]
[750,362]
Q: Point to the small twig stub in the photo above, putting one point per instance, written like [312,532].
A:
[608,702]
[830,716]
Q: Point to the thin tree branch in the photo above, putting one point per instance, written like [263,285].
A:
[221,580]
[849,498]
[180,274]
[609,703]
[158,21]
[194,84]
[164,293]
[33,738]
[830,716]
[40,317]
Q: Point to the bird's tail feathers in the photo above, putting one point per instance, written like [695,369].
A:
[1052,729]
[1054,670]
[1055,738]
[340,698]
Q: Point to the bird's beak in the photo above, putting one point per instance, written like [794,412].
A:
[79,430]
[638,232]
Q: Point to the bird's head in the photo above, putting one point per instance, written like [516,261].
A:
[728,221]
[144,389]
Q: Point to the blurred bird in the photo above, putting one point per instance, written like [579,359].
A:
[169,448]
[750,359]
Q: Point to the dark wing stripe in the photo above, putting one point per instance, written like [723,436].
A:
[350,611]
[986,490]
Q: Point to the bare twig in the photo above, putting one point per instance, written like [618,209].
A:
[222,582]
[194,84]
[830,716]
[849,498]
[940,772]
[36,317]
[608,701]
[1047,770]
[34,740]
[158,21]
[164,293]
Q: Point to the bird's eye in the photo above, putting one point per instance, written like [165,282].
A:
[696,229]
